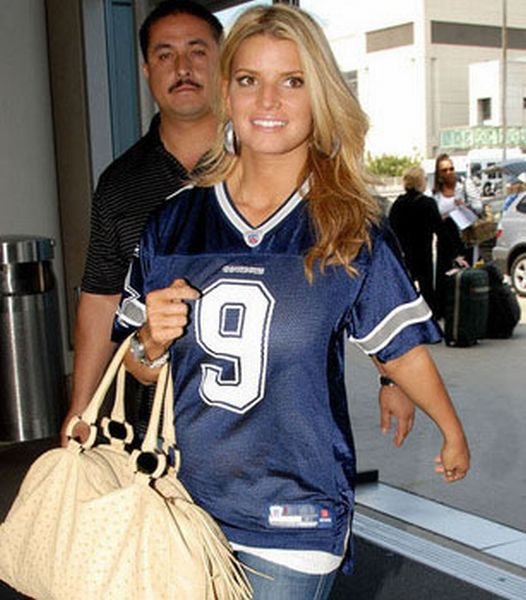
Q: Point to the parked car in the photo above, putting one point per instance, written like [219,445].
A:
[510,250]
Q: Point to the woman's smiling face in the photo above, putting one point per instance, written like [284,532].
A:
[267,98]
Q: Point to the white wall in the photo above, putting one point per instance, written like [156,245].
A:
[27,171]
[516,94]
[391,94]
[28,191]
[484,82]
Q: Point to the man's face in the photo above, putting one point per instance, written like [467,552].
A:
[181,61]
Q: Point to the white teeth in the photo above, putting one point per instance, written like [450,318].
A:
[270,123]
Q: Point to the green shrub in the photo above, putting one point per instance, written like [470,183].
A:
[390,165]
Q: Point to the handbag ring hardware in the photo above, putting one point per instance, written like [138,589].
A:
[117,430]
[149,463]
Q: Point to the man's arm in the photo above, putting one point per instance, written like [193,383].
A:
[93,350]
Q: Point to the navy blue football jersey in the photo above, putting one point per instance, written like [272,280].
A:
[261,410]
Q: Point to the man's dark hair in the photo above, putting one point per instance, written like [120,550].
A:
[174,7]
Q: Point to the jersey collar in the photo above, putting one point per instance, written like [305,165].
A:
[253,236]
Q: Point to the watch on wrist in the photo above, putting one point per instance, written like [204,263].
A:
[139,354]
[386,381]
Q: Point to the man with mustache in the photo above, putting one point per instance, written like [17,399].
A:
[180,44]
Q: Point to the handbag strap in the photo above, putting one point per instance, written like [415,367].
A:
[169,438]
[90,413]
[152,459]
[116,428]
[125,431]
[151,439]
[163,400]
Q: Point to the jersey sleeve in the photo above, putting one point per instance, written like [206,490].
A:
[389,316]
[131,312]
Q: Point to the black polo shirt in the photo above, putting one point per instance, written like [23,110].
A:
[133,186]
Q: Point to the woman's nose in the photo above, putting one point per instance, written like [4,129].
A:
[268,96]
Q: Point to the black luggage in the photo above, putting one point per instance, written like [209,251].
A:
[466,307]
[504,311]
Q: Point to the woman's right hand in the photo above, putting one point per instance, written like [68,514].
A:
[166,319]
[166,316]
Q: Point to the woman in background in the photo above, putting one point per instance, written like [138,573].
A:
[414,217]
[449,194]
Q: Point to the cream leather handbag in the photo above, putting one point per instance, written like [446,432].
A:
[93,521]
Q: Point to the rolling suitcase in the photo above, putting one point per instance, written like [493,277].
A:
[466,307]
[504,311]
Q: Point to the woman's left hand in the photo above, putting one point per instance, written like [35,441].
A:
[394,404]
[453,460]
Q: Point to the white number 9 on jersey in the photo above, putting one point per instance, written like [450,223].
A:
[232,324]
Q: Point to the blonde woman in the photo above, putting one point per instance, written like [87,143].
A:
[251,282]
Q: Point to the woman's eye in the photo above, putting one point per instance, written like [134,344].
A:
[245,80]
[294,82]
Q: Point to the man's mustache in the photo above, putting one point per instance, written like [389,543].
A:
[181,82]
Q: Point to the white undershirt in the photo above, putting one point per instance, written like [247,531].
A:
[313,562]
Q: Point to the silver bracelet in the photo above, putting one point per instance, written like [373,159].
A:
[139,354]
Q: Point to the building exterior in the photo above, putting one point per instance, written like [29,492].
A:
[410,64]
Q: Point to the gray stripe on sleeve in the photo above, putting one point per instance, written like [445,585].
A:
[399,318]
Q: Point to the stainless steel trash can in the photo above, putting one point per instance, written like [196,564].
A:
[32,383]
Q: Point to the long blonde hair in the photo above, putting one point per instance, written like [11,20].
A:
[339,203]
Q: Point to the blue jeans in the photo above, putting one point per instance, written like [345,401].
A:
[283,583]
